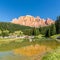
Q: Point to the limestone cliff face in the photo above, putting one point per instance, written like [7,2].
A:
[32,21]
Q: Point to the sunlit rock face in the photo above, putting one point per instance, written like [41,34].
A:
[49,21]
[31,21]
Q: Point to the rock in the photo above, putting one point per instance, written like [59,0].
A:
[31,21]
[49,21]
[30,40]
[58,37]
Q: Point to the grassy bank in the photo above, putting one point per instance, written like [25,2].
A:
[10,44]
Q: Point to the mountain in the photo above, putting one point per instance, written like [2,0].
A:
[31,21]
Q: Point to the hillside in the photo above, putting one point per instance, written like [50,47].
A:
[12,27]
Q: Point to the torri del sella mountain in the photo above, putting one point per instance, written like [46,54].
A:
[31,21]
[29,29]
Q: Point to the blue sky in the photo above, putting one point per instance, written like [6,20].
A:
[10,9]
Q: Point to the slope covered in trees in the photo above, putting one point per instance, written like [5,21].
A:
[12,27]
[58,25]
[6,28]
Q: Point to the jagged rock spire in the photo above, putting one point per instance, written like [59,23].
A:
[31,21]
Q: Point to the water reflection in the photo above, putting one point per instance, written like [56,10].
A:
[32,52]
[11,56]
[5,53]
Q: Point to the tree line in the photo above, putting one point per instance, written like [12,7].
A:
[7,28]
[53,28]
[46,30]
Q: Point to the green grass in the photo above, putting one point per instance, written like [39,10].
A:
[53,55]
[10,44]
[55,36]
[17,44]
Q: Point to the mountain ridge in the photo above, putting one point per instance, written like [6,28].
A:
[31,21]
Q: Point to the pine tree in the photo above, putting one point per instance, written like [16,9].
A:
[58,25]
[52,29]
[40,30]
[47,33]
[35,31]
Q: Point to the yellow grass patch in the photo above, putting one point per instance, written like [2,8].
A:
[32,50]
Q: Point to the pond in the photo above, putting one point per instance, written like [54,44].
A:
[11,56]
[26,50]
[32,52]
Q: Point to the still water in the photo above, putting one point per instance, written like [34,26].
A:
[11,56]
[25,53]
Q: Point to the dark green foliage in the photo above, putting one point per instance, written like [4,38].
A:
[46,30]
[15,27]
[5,33]
[43,29]
[28,32]
[35,31]
[40,29]
[12,27]
[52,29]
[47,34]
[58,25]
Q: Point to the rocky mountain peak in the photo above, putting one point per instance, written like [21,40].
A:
[31,21]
